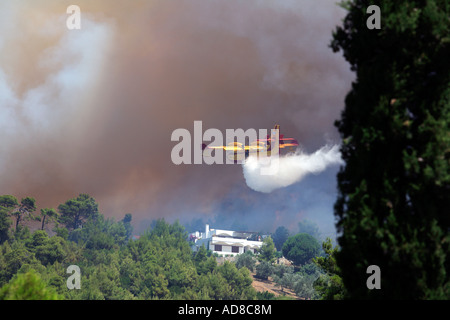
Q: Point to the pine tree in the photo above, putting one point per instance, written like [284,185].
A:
[394,191]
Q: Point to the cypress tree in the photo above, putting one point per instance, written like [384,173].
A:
[393,206]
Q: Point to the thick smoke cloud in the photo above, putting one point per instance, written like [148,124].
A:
[92,110]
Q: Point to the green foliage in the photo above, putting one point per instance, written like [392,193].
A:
[238,282]
[8,202]
[204,262]
[47,215]
[126,221]
[264,270]
[392,207]
[25,210]
[329,285]
[280,236]
[9,206]
[265,295]
[21,233]
[27,286]
[51,251]
[247,260]
[61,232]
[5,224]
[267,250]
[75,212]
[14,257]
[101,234]
[301,282]
[301,248]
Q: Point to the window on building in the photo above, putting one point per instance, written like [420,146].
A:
[235,249]
[217,247]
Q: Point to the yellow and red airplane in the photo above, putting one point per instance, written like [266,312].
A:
[268,146]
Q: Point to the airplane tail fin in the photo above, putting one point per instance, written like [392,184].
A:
[277,127]
[273,143]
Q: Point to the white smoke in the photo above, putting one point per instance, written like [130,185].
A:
[61,100]
[289,169]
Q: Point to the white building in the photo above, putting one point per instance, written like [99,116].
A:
[225,242]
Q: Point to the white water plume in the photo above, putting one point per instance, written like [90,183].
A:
[289,169]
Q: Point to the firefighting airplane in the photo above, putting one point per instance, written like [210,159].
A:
[264,146]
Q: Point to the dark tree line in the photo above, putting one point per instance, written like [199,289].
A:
[394,190]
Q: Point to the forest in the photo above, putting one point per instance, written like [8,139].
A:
[159,264]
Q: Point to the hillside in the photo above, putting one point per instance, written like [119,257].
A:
[270,286]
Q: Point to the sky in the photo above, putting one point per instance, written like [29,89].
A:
[92,110]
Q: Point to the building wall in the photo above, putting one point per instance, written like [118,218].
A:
[228,249]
